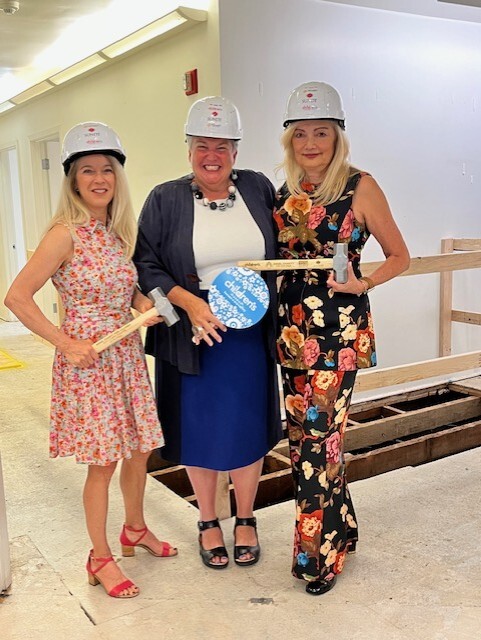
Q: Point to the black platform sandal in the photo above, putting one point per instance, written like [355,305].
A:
[240,550]
[318,587]
[209,554]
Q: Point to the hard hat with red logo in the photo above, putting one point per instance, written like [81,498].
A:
[214,117]
[314,101]
[90,137]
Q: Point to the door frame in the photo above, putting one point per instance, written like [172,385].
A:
[47,298]
[12,233]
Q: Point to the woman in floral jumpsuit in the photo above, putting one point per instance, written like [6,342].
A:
[326,332]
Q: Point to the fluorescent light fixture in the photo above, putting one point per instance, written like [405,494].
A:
[77,69]
[181,16]
[34,91]
[469,3]
[178,18]
[5,106]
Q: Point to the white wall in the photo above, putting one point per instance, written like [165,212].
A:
[141,96]
[412,92]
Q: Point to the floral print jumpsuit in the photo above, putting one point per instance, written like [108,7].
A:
[324,338]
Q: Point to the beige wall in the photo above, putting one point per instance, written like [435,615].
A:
[141,96]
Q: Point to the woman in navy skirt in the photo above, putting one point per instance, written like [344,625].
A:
[216,389]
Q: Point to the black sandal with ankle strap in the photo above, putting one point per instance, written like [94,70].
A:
[209,554]
[240,550]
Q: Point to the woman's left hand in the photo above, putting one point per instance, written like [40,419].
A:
[353,284]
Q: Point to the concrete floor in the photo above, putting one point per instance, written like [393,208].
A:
[416,575]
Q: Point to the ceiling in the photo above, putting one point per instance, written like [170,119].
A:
[35,26]
[39,23]
[45,37]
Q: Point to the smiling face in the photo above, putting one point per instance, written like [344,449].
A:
[314,144]
[95,182]
[212,160]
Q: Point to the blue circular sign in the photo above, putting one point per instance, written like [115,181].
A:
[238,297]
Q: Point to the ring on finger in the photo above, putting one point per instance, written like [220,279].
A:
[196,329]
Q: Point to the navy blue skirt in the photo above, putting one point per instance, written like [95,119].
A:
[218,419]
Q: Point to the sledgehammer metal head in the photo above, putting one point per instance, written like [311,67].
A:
[163,306]
[339,262]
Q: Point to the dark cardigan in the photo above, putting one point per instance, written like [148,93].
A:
[164,257]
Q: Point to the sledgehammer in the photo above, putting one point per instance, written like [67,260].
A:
[338,263]
[162,307]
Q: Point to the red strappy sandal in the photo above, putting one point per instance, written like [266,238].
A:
[94,580]
[128,546]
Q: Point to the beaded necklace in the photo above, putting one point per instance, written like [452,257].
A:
[228,203]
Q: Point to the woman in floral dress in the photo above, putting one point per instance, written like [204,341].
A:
[326,331]
[102,409]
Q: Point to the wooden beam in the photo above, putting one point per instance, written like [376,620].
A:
[467,244]
[468,385]
[396,398]
[376,432]
[174,478]
[433,264]
[391,376]
[445,303]
[279,457]
[469,317]
[222,498]
[413,452]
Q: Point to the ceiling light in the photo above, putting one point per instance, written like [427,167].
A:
[77,69]
[9,7]
[181,16]
[469,3]
[32,92]
[5,106]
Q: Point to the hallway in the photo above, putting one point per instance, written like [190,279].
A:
[416,575]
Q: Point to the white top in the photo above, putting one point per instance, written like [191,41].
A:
[222,238]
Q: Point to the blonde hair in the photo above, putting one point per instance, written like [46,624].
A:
[72,212]
[337,174]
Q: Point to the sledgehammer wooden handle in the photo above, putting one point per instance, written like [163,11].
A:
[284,265]
[125,330]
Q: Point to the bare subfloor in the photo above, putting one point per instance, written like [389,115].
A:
[416,575]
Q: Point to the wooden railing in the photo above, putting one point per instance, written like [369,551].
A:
[447,314]
[444,263]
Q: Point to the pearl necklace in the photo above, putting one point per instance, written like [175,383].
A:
[228,203]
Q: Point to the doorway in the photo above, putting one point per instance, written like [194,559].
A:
[47,179]
[12,245]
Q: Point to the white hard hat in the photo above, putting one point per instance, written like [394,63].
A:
[314,101]
[90,137]
[214,117]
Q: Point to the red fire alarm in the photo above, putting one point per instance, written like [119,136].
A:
[190,82]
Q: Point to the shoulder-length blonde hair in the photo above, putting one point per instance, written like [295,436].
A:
[337,174]
[72,211]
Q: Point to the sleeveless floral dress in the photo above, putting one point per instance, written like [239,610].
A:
[324,338]
[320,330]
[102,413]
